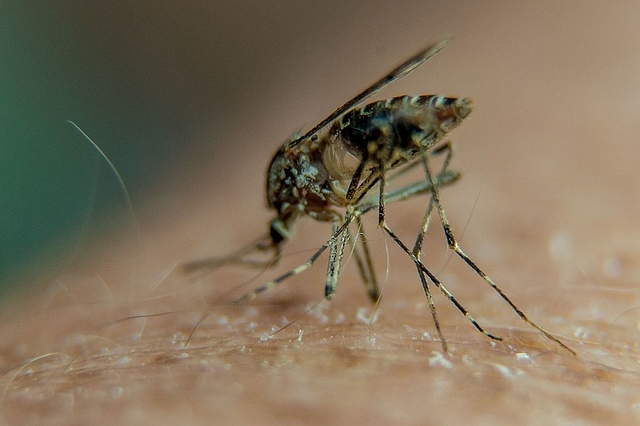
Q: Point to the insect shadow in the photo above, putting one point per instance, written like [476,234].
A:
[341,169]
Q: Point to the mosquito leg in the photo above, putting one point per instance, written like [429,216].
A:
[444,178]
[423,269]
[372,179]
[417,248]
[361,265]
[297,270]
[336,252]
[393,174]
[432,308]
[421,187]
[417,251]
[447,148]
[333,266]
[365,266]
[355,179]
[453,245]
[381,203]
[271,284]
[438,284]
[366,185]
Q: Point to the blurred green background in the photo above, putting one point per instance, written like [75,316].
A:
[161,86]
[145,80]
[58,63]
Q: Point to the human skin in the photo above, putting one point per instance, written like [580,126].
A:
[549,191]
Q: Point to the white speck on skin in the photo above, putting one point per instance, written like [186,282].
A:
[265,337]
[251,312]
[438,359]
[612,267]
[115,392]
[502,369]
[506,371]
[362,316]
[561,246]
[125,360]
[581,333]
[467,360]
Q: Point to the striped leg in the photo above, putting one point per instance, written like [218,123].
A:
[453,245]
[437,283]
[336,252]
[417,248]
[365,264]
[417,251]
[364,261]
[332,272]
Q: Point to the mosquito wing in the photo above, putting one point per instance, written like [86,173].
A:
[397,73]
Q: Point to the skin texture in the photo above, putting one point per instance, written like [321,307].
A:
[547,206]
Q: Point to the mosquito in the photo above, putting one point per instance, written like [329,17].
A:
[341,169]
